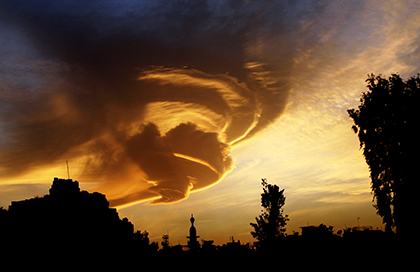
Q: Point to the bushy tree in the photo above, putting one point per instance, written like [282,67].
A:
[271,223]
[387,124]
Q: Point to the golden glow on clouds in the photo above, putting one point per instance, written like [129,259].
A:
[234,116]
[196,160]
[166,114]
[175,140]
[132,146]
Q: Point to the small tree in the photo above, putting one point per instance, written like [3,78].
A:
[271,223]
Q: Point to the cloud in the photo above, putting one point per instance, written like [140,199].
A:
[185,158]
[168,134]
[145,100]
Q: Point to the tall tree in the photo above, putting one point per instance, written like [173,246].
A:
[387,123]
[271,223]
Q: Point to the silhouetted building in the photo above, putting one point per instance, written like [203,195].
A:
[193,244]
[64,187]
[67,218]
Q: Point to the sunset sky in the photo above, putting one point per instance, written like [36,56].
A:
[177,107]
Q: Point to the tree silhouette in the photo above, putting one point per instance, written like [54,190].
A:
[386,122]
[271,223]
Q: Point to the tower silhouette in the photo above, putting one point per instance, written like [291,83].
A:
[193,243]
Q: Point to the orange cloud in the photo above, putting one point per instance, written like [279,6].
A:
[171,134]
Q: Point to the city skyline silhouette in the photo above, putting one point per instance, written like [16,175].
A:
[71,226]
[69,216]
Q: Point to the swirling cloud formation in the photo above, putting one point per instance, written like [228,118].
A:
[182,140]
[145,99]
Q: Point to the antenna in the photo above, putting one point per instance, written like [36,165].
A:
[68,170]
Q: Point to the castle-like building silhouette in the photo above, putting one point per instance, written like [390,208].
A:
[65,218]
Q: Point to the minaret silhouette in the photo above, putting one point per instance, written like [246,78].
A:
[193,243]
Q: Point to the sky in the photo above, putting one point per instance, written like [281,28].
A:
[173,108]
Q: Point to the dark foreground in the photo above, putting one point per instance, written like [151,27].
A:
[74,229]
[301,255]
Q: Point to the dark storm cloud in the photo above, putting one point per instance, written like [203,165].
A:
[149,96]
